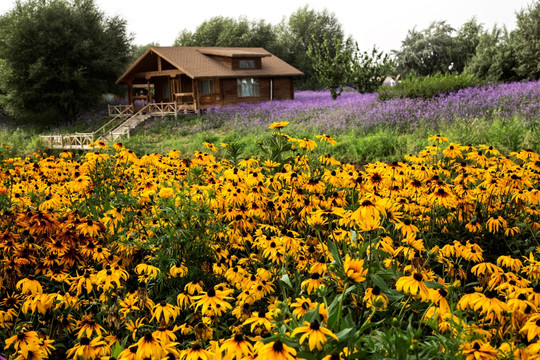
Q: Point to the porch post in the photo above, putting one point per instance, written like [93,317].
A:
[130,92]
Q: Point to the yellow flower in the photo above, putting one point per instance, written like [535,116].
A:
[354,269]
[307,144]
[165,309]
[413,285]
[166,193]
[210,146]
[435,138]
[315,333]
[213,300]
[327,139]
[278,125]
[276,351]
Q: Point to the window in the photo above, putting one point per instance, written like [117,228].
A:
[207,86]
[247,64]
[248,87]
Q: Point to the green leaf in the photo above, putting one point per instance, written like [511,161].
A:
[434,284]
[334,252]
[286,280]
[344,334]
[308,355]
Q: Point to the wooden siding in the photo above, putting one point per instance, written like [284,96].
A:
[225,60]
[227,93]
[283,88]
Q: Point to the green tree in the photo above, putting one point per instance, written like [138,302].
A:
[225,31]
[307,27]
[525,41]
[59,54]
[427,52]
[331,64]
[369,69]
[494,59]
[465,43]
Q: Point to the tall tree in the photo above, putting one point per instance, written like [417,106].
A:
[331,64]
[307,27]
[428,51]
[465,43]
[225,31]
[60,54]
[525,42]
[494,59]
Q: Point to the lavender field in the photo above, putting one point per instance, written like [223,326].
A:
[315,110]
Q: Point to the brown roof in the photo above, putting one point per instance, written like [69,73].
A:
[195,62]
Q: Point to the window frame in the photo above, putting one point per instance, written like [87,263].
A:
[247,64]
[211,87]
[254,82]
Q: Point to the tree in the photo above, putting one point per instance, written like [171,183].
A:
[494,59]
[525,41]
[426,52]
[307,27]
[59,54]
[332,65]
[225,31]
[465,43]
[369,69]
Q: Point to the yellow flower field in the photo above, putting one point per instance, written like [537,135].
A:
[118,256]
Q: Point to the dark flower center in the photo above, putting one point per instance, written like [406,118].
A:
[314,325]
[278,346]
[476,346]
[211,293]
[418,277]
[85,341]
[376,290]
[443,292]
[238,338]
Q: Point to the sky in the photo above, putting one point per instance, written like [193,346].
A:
[383,23]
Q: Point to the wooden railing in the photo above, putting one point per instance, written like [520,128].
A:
[69,141]
[120,110]
[118,126]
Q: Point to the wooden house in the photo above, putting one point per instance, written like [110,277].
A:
[195,78]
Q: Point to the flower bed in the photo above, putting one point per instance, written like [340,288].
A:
[161,257]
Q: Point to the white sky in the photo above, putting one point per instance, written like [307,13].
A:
[380,22]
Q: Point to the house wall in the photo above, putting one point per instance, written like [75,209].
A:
[228,92]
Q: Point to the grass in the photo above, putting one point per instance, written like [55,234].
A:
[356,144]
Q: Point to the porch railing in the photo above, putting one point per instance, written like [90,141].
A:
[124,119]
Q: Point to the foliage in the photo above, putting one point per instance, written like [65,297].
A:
[465,43]
[494,59]
[59,54]
[368,70]
[526,42]
[303,28]
[332,65]
[428,86]
[226,31]
[426,52]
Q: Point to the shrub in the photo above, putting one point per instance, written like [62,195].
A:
[428,86]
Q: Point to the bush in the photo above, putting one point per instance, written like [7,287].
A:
[428,86]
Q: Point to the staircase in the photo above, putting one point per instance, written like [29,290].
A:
[113,130]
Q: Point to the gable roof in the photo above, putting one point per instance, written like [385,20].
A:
[196,62]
